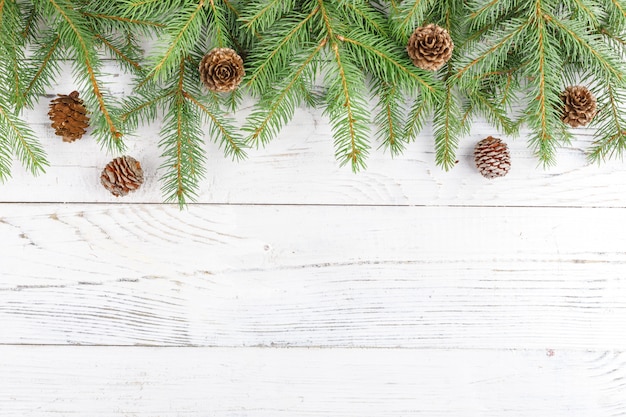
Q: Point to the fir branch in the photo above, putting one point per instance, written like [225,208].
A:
[588,49]
[484,9]
[351,36]
[610,135]
[22,140]
[377,56]
[495,113]
[326,20]
[181,140]
[129,21]
[16,137]
[5,157]
[12,49]
[232,8]
[416,119]
[408,15]
[117,52]
[143,3]
[143,106]
[614,41]
[586,10]
[183,33]
[494,55]
[367,19]
[390,119]
[47,68]
[490,13]
[231,101]
[260,15]
[275,56]
[173,86]
[544,136]
[348,112]
[232,144]
[549,44]
[138,9]
[216,23]
[30,22]
[615,17]
[273,113]
[541,114]
[448,121]
[448,128]
[620,6]
[73,27]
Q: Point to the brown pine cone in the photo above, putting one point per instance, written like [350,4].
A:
[69,116]
[122,175]
[221,70]
[430,47]
[492,158]
[579,106]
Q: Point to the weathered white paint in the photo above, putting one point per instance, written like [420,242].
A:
[299,167]
[148,382]
[405,290]
[313,276]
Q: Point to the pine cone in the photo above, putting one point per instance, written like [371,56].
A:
[221,70]
[122,175]
[579,106]
[69,116]
[430,47]
[492,157]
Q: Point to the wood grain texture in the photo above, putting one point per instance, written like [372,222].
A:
[299,167]
[140,382]
[301,289]
[313,276]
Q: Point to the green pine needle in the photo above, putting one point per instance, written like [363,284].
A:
[342,43]
[610,123]
[171,86]
[17,138]
[549,45]
[338,55]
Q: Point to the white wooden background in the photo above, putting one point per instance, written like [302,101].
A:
[297,288]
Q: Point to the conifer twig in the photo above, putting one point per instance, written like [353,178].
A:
[344,41]
[171,84]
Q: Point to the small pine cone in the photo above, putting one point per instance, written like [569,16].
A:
[122,175]
[430,47]
[221,70]
[69,116]
[492,157]
[579,106]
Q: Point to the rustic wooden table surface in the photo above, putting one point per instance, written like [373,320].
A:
[297,288]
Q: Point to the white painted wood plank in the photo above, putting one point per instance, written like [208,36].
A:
[299,168]
[313,276]
[116,382]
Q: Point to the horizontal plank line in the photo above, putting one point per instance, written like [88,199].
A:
[146,382]
[312,276]
[477,206]
[307,348]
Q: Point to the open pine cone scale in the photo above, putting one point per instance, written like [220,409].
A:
[430,47]
[221,70]
[69,116]
[579,106]
[122,175]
